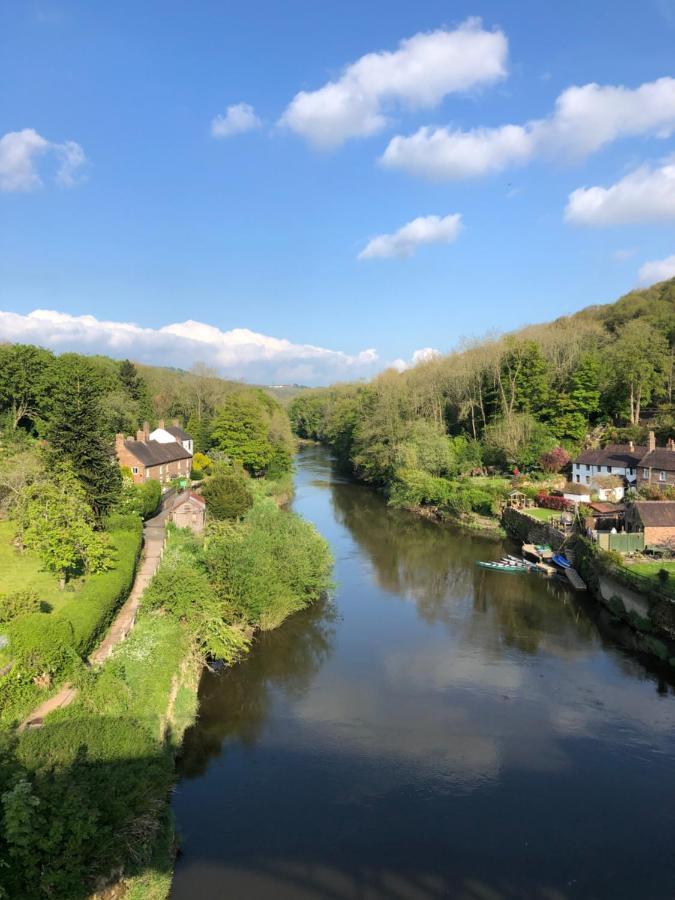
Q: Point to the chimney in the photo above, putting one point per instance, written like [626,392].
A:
[146,430]
[160,424]
[140,435]
[175,424]
[652,441]
[119,443]
[631,446]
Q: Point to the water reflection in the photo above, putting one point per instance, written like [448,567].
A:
[234,704]
[452,732]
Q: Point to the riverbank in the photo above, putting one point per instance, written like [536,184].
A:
[112,750]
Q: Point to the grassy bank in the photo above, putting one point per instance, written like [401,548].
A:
[85,799]
[55,642]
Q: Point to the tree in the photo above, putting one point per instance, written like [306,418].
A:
[24,382]
[227,496]
[252,429]
[639,359]
[78,433]
[56,521]
[554,460]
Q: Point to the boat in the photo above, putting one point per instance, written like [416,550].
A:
[562,561]
[502,566]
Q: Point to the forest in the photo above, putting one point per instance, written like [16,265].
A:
[504,404]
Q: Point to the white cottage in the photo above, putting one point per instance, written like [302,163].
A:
[170,433]
[615,459]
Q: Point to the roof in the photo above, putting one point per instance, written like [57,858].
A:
[612,455]
[152,453]
[178,433]
[607,509]
[581,489]
[656,513]
[661,458]
[188,497]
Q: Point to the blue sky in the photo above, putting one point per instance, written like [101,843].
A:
[261,230]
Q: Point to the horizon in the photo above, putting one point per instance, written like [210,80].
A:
[316,195]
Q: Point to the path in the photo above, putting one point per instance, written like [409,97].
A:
[154,535]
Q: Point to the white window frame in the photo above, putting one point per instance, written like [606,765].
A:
[135,470]
[663,476]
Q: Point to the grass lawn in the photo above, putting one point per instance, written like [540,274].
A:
[541,514]
[25,570]
[651,569]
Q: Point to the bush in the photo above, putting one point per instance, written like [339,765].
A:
[18,603]
[141,499]
[663,575]
[41,645]
[91,610]
[554,460]
[227,496]
[413,487]
[547,501]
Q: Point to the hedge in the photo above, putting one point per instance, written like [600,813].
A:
[547,501]
[92,609]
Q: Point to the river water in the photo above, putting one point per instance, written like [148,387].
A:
[434,730]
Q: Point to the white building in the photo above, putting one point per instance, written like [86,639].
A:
[615,459]
[170,433]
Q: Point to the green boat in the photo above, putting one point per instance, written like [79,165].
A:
[501,566]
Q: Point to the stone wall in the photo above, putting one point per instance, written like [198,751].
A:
[524,528]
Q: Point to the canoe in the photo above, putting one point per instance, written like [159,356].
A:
[501,567]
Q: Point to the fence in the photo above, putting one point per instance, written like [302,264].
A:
[621,543]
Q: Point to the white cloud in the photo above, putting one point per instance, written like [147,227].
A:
[657,270]
[424,69]
[238,118]
[19,152]
[238,353]
[584,120]
[424,354]
[404,242]
[644,195]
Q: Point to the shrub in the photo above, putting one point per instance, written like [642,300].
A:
[92,609]
[547,501]
[413,487]
[227,496]
[201,466]
[663,575]
[141,499]
[18,603]
[554,460]
[40,644]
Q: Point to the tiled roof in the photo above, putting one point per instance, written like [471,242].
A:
[152,453]
[656,513]
[178,433]
[661,458]
[580,489]
[188,497]
[612,455]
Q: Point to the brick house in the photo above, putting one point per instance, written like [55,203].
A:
[656,518]
[152,460]
[657,467]
[170,433]
[189,511]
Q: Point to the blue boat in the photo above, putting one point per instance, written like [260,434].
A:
[562,562]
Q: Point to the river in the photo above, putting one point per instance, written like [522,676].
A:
[433,730]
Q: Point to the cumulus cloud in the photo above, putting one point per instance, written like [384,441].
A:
[404,242]
[584,120]
[424,354]
[238,353]
[238,118]
[423,70]
[645,195]
[657,270]
[19,154]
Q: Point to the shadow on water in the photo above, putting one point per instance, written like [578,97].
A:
[451,733]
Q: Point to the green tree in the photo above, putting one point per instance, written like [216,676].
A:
[639,359]
[78,433]
[227,496]
[24,383]
[56,521]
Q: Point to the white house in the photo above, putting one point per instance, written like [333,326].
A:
[615,459]
[170,433]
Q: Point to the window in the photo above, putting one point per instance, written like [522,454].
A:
[588,479]
[578,477]
[609,469]
[135,470]
[645,473]
[662,476]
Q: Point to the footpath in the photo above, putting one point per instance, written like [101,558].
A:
[154,538]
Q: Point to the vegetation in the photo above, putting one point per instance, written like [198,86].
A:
[524,401]
[227,495]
